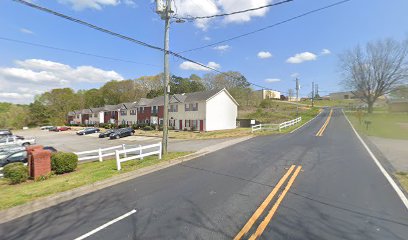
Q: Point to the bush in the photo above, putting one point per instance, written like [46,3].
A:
[147,128]
[62,162]
[134,127]
[16,172]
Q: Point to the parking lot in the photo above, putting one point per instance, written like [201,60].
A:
[68,141]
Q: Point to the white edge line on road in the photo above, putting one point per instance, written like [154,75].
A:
[387,176]
[106,225]
[306,123]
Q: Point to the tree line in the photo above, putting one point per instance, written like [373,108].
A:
[50,108]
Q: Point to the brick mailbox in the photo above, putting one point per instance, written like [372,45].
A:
[39,161]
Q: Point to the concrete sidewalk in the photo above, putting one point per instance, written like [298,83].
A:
[395,150]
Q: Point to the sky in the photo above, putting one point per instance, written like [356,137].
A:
[307,48]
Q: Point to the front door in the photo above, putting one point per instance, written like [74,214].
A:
[181,124]
[201,125]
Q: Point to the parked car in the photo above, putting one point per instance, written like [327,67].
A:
[5,132]
[107,133]
[88,131]
[59,129]
[51,149]
[16,140]
[123,132]
[20,156]
[46,127]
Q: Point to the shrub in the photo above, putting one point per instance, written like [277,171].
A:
[147,128]
[134,127]
[62,162]
[16,172]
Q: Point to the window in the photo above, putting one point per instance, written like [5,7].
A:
[141,109]
[132,112]
[194,106]
[147,121]
[95,115]
[173,108]
[154,109]
[77,116]
[123,112]
[191,107]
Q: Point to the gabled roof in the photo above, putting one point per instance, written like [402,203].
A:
[198,96]
[71,113]
[111,107]
[128,105]
[144,102]
[86,111]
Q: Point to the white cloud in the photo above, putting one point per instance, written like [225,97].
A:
[206,38]
[272,80]
[34,76]
[294,75]
[79,5]
[325,51]
[194,8]
[192,66]
[264,55]
[222,47]
[237,5]
[130,3]
[26,31]
[302,57]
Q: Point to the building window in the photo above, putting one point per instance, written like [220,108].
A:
[77,116]
[132,112]
[154,109]
[173,108]
[123,112]
[194,106]
[141,109]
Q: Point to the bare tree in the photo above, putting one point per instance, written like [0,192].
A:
[375,70]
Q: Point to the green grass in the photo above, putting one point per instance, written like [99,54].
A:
[86,173]
[336,103]
[403,179]
[386,125]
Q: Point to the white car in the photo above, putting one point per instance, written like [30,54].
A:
[46,127]
[16,140]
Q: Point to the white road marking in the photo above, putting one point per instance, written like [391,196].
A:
[306,123]
[384,172]
[106,225]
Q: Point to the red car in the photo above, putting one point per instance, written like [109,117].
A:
[59,129]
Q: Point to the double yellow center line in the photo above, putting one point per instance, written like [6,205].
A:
[258,232]
[320,132]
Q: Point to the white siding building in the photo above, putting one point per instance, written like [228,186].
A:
[203,111]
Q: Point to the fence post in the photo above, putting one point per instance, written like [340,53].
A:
[160,151]
[279,127]
[117,160]
[124,148]
[100,155]
[140,151]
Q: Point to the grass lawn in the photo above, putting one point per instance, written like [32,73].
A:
[86,173]
[403,179]
[386,125]
[336,103]
[238,132]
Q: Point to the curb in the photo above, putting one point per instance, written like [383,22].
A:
[52,200]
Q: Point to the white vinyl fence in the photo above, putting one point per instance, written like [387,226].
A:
[137,152]
[99,153]
[276,126]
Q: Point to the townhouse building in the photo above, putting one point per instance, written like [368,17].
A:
[199,111]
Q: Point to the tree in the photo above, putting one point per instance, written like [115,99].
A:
[115,92]
[375,70]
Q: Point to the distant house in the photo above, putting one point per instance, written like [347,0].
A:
[398,105]
[341,95]
[268,94]
[128,113]
[201,111]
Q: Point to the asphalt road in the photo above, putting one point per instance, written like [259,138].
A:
[339,194]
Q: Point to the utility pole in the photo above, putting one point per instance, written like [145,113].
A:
[165,11]
[313,92]
[297,97]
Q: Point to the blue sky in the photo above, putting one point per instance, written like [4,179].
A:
[27,70]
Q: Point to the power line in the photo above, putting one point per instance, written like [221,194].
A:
[232,13]
[74,51]
[124,37]
[267,27]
